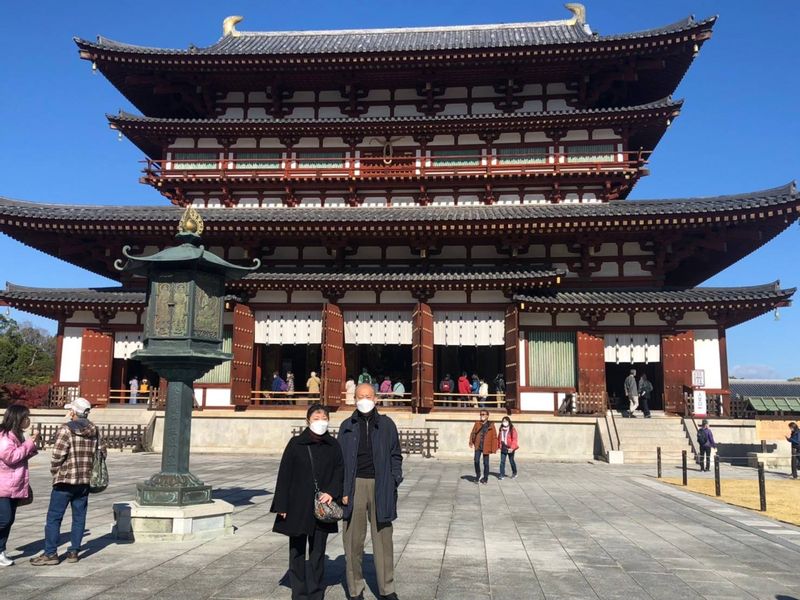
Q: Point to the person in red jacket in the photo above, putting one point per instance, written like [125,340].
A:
[509,442]
[464,389]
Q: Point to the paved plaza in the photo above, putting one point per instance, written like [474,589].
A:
[558,531]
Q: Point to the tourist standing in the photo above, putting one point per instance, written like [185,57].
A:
[386,386]
[373,469]
[15,451]
[500,385]
[312,384]
[398,390]
[483,392]
[290,382]
[794,439]
[350,391]
[464,389]
[645,394]
[71,467]
[144,390]
[365,377]
[447,386]
[483,440]
[705,440]
[631,393]
[509,444]
[133,387]
[311,460]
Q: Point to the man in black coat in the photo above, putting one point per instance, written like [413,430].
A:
[373,468]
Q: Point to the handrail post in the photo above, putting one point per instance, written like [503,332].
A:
[717,490]
[658,461]
[794,462]
[684,468]
[762,487]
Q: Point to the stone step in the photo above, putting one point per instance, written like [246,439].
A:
[653,432]
[647,448]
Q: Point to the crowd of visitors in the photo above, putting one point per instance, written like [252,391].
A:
[471,391]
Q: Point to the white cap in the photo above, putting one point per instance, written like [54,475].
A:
[79,406]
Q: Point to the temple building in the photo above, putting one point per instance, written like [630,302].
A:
[424,201]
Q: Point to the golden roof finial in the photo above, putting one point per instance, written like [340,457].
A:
[229,26]
[191,222]
[578,13]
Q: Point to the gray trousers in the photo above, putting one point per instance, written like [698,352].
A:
[355,533]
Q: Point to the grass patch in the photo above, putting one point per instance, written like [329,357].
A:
[783,497]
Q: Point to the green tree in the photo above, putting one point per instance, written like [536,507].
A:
[27,353]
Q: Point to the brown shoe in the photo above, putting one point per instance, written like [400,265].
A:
[72,556]
[45,560]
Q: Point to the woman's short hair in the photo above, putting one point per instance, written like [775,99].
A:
[314,408]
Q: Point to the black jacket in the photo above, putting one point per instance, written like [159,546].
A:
[386,456]
[294,490]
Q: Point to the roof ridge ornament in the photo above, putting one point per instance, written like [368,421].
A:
[191,222]
[578,13]
[229,26]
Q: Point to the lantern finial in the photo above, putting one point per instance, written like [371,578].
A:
[191,222]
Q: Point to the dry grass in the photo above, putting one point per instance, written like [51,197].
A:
[783,497]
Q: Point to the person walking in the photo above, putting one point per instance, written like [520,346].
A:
[645,394]
[312,384]
[464,389]
[500,386]
[631,393]
[705,441]
[71,467]
[15,451]
[385,390]
[373,470]
[290,385]
[133,387]
[509,444]
[794,439]
[483,440]
[311,461]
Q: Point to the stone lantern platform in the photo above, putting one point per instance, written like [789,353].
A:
[138,523]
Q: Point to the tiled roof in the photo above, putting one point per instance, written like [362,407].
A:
[100,295]
[416,39]
[10,210]
[764,388]
[621,300]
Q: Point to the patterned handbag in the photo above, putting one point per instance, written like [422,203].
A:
[326,513]
[98,480]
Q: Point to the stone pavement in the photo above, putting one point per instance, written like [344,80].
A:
[558,531]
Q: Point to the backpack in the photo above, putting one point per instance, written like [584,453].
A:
[445,385]
[284,386]
[702,437]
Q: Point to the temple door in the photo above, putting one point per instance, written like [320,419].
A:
[512,356]
[333,367]
[422,357]
[97,355]
[244,329]
[591,373]
[677,356]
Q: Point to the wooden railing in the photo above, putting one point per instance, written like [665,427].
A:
[60,394]
[405,167]
[114,436]
[444,400]
[424,441]
[267,398]
[584,403]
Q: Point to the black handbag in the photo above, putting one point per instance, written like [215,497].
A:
[326,513]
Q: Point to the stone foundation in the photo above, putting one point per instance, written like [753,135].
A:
[172,524]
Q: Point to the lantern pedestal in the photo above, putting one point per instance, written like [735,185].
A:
[172,523]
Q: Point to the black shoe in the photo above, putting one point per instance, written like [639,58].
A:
[391,596]
[484,481]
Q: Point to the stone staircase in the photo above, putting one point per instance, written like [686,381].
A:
[640,437]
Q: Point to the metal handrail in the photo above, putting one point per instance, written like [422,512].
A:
[373,167]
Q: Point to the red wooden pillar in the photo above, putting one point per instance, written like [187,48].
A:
[97,354]
[422,358]
[333,367]
[244,328]
[591,370]
[512,357]
[677,356]
[723,368]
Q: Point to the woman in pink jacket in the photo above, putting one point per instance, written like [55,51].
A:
[509,442]
[15,451]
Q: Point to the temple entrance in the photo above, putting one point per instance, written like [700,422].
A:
[299,359]
[380,361]
[122,372]
[615,381]
[484,361]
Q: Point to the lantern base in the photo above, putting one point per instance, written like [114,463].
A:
[173,489]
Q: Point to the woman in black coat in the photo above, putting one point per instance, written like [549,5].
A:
[294,501]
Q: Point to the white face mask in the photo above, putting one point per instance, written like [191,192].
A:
[319,427]
[505,424]
[365,405]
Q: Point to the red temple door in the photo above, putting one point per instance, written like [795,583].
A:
[591,373]
[512,356]
[422,357]
[97,355]
[677,355]
[244,330]
[333,366]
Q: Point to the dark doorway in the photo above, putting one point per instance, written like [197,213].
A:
[380,361]
[615,382]
[122,371]
[484,361]
[300,359]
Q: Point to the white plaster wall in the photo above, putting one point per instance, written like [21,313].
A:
[71,355]
[358,297]
[536,401]
[271,297]
[454,297]
[706,356]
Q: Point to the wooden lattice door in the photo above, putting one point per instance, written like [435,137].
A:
[591,372]
[677,356]
[512,356]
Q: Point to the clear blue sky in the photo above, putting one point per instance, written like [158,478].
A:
[738,131]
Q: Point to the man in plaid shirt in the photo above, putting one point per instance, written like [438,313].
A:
[71,467]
